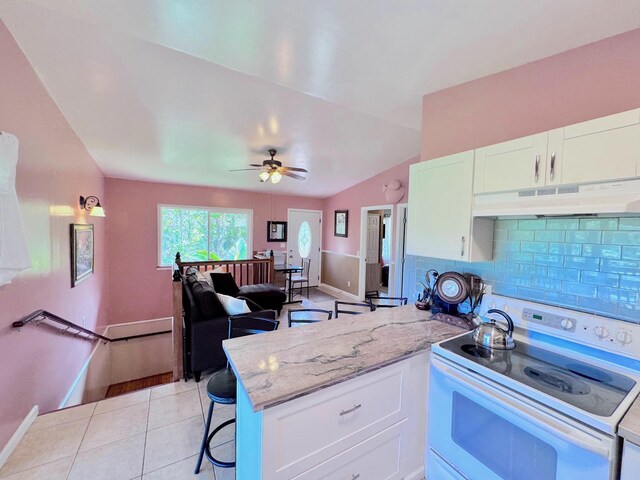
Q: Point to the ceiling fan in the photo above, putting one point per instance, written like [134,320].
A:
[274,169]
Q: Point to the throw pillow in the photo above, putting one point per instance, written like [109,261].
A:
[207,300]
[225,284]
[233,306]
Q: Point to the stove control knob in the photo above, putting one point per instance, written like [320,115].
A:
[624,337]
[601,332]
[567,323]
[492,305]
[505,308]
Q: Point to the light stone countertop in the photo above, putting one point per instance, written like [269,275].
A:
[629,427]
[278,366]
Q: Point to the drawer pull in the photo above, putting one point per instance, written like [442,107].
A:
[355,476]
[537,169]
[353,409]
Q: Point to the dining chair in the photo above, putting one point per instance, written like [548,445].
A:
[300,316]
[354,308]
[221,387]
[302,277]
[387,302]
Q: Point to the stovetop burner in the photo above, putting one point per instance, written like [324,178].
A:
[585,386]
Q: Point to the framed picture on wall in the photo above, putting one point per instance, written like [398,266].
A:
[81,252]
[341,223]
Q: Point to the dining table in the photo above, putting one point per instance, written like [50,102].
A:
[288,270]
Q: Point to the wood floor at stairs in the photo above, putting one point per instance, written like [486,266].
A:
[138,384]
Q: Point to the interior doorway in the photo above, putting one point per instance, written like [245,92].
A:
[376,247]
[304,240]
[400,240]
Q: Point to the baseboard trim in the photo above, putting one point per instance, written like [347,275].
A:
[331,290]
[418,474]
[13,442]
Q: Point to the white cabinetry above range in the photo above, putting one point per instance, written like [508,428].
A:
[440,223]
[598,150]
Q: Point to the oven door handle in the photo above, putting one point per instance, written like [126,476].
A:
[572,435]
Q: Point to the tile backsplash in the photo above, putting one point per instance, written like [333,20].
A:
[590,264]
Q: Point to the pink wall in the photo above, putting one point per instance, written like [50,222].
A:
[588,82]
[54,169]
[137,289]
[363,194]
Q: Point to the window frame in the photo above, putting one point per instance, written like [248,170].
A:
[248,211]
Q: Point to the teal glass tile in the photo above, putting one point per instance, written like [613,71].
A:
[630,281]
[521,235]
[593,305]
[580,289]
[583,263]
[562,224]
[549,235]
[506,224]
[620,238]
[506,289]
[519,280]
[564,274]
[598,224]
[520,257]
[620,266]
[500,255]
[618,295]
[546,283]
[600,278]
[601,251]
[534,247]
[527,269]
[565,248]
[630,253]
[550,260]
[564,299]
[507,246]
[584,236]
[537,224]
[629,223]
[629,312]
[506,267]
[501,235]
[531,294]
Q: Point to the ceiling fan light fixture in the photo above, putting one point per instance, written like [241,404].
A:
[264,176]
[276,177]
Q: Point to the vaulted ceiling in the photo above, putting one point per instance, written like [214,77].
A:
[183,91]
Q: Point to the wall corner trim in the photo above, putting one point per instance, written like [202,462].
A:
[17,435]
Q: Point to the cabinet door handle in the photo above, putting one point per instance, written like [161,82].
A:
[553,165]
[537,167]
[462,248]
[352,409]
[355,476]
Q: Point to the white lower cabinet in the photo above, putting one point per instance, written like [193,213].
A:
[630,461]
[372,426]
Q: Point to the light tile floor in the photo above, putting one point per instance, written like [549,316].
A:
[151,434]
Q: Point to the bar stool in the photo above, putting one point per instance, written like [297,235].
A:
[221,387]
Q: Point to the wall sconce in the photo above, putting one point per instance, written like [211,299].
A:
[92,205]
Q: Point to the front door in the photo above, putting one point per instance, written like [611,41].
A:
[374,267]
[303,241]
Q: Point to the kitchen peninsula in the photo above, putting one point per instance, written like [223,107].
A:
[345,396]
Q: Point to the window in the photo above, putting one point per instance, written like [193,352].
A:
[304,239]
[201,233]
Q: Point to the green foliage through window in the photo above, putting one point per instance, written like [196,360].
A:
[203,234]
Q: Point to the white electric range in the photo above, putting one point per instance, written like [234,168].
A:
[547,410]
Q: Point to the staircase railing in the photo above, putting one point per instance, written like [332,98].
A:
[42,317]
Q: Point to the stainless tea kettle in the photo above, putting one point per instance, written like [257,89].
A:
[492,335]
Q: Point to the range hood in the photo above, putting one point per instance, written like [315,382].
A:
[606,199]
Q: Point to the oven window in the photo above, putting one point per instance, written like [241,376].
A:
[505,448]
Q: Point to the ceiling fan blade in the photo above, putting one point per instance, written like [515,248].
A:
[256,165]
[293,175]
[243,169]
[296,169]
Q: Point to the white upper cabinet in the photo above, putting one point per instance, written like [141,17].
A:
[606,148]
[512,165]
[440,223]
[603,149]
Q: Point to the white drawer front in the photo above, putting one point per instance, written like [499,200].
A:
[308,432]
[377,458]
